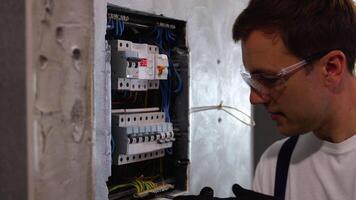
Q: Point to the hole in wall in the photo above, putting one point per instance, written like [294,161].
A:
[76,53]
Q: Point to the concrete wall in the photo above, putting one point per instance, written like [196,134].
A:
[221,147]
[62,80]
[59,94]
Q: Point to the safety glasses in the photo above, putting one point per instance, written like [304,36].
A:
[263,82]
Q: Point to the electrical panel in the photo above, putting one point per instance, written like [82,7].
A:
[149,100]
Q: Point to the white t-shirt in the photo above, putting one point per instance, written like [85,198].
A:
[319,170]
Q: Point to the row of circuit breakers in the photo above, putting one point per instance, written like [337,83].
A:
[142,133]
[138,67]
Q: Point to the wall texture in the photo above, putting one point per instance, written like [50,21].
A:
[102,92]
[221,147]
[62,87]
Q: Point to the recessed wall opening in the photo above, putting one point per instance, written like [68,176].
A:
[149,101]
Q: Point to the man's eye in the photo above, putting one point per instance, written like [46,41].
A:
[268,80]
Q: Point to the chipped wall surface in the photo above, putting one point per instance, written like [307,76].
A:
[62,87]
[102,102]
[220,149]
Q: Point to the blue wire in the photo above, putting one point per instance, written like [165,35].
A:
[110,25]
[162,36]
[171,35]
[125,93]
[117,28]
[122,27]
[180,82]
[179,79]
[166,35]
[165,101]
[169,151]
[157,34]
[112,145]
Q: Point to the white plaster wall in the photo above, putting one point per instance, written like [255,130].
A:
[220,153]
[102,102]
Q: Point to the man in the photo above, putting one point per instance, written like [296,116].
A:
[299,60]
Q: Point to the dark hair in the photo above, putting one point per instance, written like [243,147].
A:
[305,26]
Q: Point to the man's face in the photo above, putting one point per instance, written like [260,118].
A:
[299,103]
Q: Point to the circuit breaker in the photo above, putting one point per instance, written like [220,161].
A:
[149,97]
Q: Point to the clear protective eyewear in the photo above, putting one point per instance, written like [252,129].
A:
[263,82]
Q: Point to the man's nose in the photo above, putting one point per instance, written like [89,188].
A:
[257,98]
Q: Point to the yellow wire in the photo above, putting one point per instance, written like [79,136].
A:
[152,184]
[135,185]
[142,187]
[139,185]
[118,186]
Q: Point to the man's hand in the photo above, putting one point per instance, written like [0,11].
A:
[205,194]
[243,194]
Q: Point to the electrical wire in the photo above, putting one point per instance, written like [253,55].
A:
[135,98]
[117,25]
[170,37]
[180,82]
[139,185]
[165,104]
[113,146]
[169,151]
[163,37]
[110,25]
[225,109]
[119,186]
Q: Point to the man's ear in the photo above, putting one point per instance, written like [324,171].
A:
[334,67]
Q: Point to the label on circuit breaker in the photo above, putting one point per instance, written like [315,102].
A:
[143,62]
[145,68]
[161,66]
[146,63]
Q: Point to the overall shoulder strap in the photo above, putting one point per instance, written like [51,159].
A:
[284,156]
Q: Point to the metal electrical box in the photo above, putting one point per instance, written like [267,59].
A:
[149,100]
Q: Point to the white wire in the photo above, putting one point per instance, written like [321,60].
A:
[225,109]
